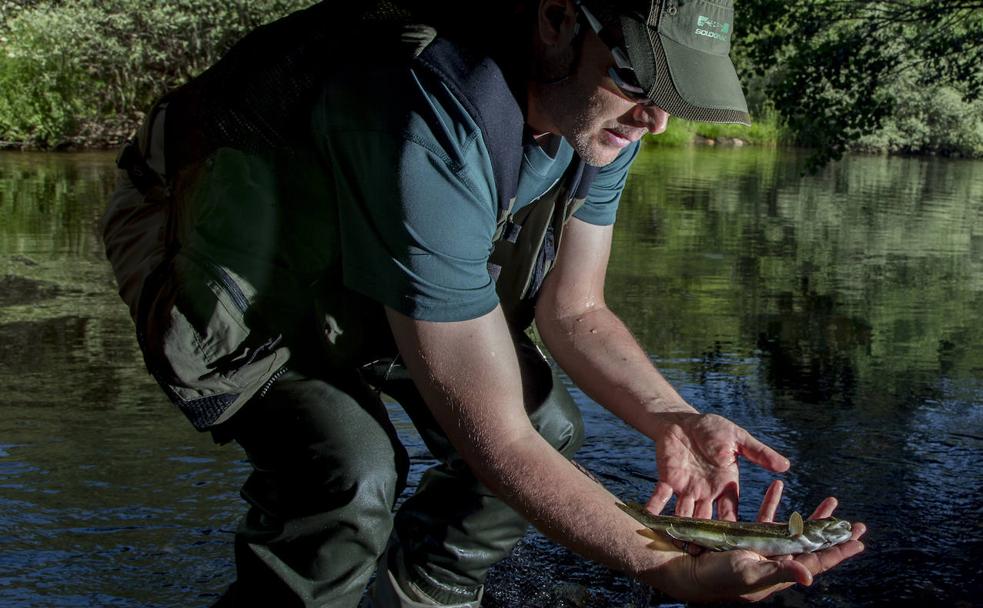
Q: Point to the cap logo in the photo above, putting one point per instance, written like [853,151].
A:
[705,26]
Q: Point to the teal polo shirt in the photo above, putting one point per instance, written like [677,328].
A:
[395,199]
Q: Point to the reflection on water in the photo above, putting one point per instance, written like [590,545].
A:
[834,315]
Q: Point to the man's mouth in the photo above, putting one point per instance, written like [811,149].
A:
[618,138]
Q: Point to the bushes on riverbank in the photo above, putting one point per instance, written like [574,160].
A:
[80,72]
[937,120]
[766,130]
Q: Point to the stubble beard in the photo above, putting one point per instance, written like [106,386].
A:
[578,117]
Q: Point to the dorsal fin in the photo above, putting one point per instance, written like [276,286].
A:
[795,524]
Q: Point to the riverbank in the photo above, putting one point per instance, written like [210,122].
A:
[765,131]
[74,73]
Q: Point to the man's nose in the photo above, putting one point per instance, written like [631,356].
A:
[652,117]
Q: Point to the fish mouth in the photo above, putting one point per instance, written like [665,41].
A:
[839,531]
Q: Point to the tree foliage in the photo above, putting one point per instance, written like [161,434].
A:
[77,68]
[897,75]
[840,70]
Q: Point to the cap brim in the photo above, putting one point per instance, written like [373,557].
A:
[705,81]
[683,80]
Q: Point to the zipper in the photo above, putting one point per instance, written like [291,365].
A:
[266,386]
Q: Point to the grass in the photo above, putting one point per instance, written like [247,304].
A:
[765,131]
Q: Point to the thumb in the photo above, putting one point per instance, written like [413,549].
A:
[774,572]
[760,454]
[776,575]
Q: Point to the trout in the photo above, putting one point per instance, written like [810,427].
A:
[796,536]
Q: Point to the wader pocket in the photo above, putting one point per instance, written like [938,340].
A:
[203,348]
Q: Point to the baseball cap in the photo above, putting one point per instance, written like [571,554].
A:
[680,53]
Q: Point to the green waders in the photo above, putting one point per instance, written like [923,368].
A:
[327,470]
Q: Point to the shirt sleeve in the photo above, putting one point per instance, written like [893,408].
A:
[416,204]
[601,206]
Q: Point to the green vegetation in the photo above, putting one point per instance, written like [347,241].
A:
[902,76]
[936,119]
[82,71]
[765,130]
[898,75]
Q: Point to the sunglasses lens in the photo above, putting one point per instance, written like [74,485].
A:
[622,74]
[624,79]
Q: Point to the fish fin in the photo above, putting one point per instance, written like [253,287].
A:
[659,542]
[795,524]
[677,535]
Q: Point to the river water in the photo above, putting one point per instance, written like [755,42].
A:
[836,316]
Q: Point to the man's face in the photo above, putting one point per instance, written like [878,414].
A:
[588,109]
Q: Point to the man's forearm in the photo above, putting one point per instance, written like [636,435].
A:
[602,357]
[468,375]
[571,509]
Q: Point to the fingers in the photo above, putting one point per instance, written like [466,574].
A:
[703,509]
[760,454]
[793,572]
[661,496]
[825,508]
[685,505]
[805,567]
[821,561]
[769,504]
[727,502]
[775,572]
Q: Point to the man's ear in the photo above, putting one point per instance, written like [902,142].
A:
[557,21]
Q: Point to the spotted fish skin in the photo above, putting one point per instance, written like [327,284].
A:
[768,539]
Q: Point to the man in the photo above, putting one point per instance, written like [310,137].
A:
[348,181]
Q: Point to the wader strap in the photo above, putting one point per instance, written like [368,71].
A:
[479,84]
[529,241]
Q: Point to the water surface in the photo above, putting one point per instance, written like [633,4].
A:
[836,316]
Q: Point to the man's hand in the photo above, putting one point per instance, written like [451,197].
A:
[710,576]
[696,455]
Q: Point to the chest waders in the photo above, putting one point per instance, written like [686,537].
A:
[213,354]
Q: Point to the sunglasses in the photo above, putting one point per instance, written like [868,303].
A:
[621,72]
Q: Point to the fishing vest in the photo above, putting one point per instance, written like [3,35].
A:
[256,98]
